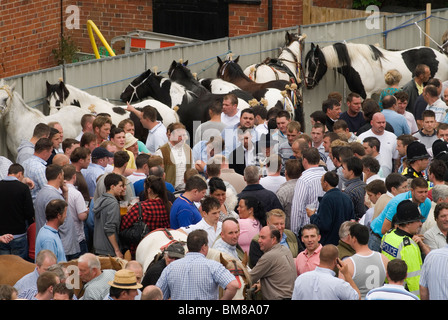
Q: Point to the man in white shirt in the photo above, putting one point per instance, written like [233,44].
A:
[230,115]
[156,130]
[211,208]
[141,162]
[273,180]
[388,142]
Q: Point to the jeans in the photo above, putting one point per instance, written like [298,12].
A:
[18,247]
[374,242]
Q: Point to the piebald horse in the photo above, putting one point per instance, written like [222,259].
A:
[287,66]
[153,245]
[364,66]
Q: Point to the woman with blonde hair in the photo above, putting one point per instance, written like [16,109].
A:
[392,78]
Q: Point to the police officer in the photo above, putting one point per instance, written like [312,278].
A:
[418,160]
[402,242]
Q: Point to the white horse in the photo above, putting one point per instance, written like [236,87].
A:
[286,67]
[61,95]
[158,240]
[19,119]
[364,66]
[155,242]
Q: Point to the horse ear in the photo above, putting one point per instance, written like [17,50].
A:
[219,60]
[287,37]
[245,259]
[236,60]
[222,260]
[186,63]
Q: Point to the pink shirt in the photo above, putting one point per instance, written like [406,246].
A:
[249,228]
[305,263]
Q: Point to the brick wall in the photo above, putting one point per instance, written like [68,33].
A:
[27,35]
[247,18]
[30,29]
[113,18]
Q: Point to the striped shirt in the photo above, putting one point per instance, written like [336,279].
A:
[35,170]
[433,275]
[356,190]
[307,190]
[194,277]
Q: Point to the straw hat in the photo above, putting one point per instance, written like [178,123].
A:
[125,279]
[130,140]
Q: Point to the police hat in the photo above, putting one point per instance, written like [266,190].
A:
[407,211]
[439,147]
[416,151]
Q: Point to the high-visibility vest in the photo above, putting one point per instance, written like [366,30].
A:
[394,246]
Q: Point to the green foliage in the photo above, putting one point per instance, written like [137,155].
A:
[67,50]
[363,4]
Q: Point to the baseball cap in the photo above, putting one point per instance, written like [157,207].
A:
[101,152]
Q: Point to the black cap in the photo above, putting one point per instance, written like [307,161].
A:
[101,152]
[407,211]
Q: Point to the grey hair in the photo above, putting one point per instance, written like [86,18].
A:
[344,229]
[252,174]
[439,191]
[92,260]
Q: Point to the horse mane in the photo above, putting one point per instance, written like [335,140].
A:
[342,54]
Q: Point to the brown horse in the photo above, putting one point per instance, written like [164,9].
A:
[13,268]
[229,70]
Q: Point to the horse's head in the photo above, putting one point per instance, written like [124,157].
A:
[6,93]
[57,95]
[136,90]
[315,66]
[178,71]
[291,37]
[229,69]
[239,270]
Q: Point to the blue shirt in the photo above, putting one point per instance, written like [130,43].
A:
[398,121]
[433,275]
[194,277]
[391,209]
[183,213]
[48,238]
[322,284]
[92,172]
[35,170]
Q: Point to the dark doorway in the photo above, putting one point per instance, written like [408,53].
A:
[202,20]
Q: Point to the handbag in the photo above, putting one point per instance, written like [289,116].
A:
[135,233]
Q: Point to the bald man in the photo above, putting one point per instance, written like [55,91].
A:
[388,142]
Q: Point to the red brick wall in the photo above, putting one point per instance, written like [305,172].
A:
[27,35]
[30,29]
[113,18]
[246,18]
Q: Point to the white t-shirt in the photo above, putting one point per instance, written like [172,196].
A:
[230,121]
[388,147]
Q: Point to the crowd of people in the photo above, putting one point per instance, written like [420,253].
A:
[355,209]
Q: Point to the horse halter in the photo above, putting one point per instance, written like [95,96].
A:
[134,92]
[224,66]
[313,78]
[9,93]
